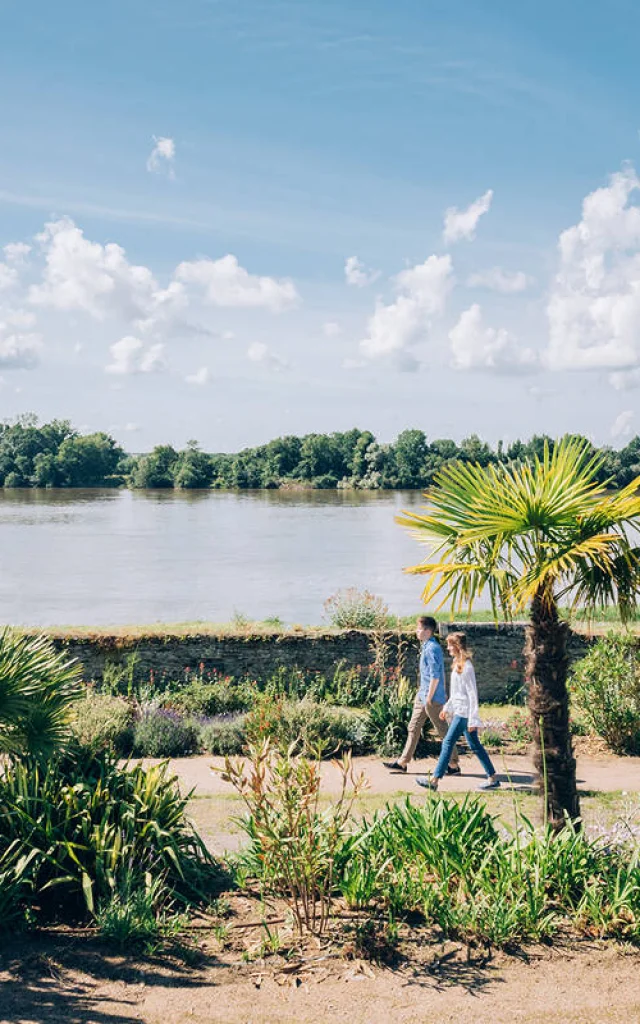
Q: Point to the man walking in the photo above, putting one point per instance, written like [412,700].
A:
[430,698]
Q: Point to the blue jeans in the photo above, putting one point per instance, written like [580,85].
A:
[456,729]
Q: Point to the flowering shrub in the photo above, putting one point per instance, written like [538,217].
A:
[356,609]
[163,733]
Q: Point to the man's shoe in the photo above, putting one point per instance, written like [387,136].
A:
[395,766]
[490,784]
[454,771]
[427,782]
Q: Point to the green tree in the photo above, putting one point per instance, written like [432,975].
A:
[472,449]
[156,469]
[320,455]
[532,533]
[193,469]
[410,452]
[88,460]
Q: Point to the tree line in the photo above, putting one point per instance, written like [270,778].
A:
[56,455]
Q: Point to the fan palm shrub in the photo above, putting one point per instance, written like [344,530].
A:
[533,533]
[38,688]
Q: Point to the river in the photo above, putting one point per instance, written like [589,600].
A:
[106,557]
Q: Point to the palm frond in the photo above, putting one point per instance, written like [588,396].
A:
[522,527]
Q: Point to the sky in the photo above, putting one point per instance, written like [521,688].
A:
[232,221]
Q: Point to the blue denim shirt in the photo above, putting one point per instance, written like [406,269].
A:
[432,667]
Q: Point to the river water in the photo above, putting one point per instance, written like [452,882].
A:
[105,557]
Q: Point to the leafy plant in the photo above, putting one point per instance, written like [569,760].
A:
[163,733]
[102,722]
[202,698]
[38,689]
[139,916]
[91,828]
[223,736]
[389,715]
[605,688]
[356,609]
[293,842]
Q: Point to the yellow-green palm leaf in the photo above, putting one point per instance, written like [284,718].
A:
[543,526]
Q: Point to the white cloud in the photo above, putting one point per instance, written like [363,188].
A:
[97,279]
[19,351]
[162,156]
[258,352]
[354,364]
[331,329]
[130,355]
[476,347]
[594,306]
[422,294]
[131,428]
[621,426]
[226,283]
[16,253]
[201,376]
[499,280]
[459,224]
[357,274]
[625,380]
[21,318]
[8,277]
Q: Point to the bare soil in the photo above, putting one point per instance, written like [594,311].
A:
[68,977]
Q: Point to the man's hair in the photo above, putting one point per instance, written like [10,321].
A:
[428,622]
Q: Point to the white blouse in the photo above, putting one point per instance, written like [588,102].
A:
[463,698]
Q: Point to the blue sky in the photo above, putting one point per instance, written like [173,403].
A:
[289,138]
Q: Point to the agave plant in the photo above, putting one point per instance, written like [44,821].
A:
[38,686]
[534,533]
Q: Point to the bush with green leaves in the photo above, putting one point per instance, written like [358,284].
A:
[38,689]
[163,733]
[447,862]
[389,715]
[224,735]
[605,691]
[306,725]
[356,609]
[101,722]
[206,698]
[139,917]
[88,828]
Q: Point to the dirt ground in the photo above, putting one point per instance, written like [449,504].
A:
[604,774]
[70,979]
[67,977]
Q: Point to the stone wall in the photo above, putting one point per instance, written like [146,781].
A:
[497,653]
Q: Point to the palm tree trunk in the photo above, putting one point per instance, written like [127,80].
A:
[547,664]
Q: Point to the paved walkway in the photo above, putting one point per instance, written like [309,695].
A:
[595,774]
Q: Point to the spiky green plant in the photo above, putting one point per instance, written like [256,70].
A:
[38,687]
[533,533]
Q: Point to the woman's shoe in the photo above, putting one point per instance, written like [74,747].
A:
[427,783]
[454,771]
[490,784]
[394,766]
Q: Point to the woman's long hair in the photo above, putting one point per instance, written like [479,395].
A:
[461,652]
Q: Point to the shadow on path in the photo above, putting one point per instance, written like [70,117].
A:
[75,979]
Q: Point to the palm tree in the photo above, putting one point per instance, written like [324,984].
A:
[533,533]
[38,687]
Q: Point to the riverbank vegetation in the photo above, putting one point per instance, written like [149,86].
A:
[57,455]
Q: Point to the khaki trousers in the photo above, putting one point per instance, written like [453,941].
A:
[418,718]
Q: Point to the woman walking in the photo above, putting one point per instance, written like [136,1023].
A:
[463,706]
